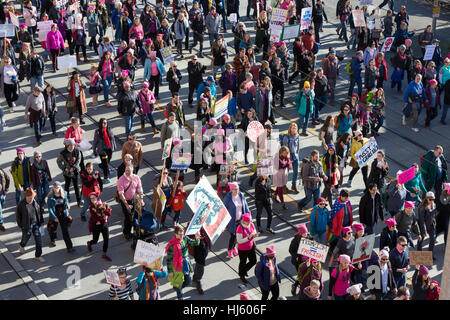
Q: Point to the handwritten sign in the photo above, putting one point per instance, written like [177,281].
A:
[429,51]
[147,254]
[387,44]
[313,249]
[7,30]
[406,175]
[167,54]
[14,19]
[277,21]
[221,107]
[167,147]
[363,248]
[305,20]
[367,153]
[264,167]
[254,130]
[112,277]
[358,18]
[421,258]
[181,161]
[67,62]
[290,32]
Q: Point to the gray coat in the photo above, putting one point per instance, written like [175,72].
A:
[180,28]
[406,223]
[427,219]
[311,172]
[169,131]
[97,145]
[212,24]
[396,198]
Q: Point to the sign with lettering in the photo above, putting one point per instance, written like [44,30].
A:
[14,19]
[221,107]
[167,54]
[387,44]
[166,148]
[406,175]
[363,248]
[7,30]
[313,249]
[290,32]
[429,51]
[67,62]
[147,254]
[254,130]
[306,18]
[358,18]
[277,21]
[421,258]
[264,167]
[112,277]
[367,153]
[181,161]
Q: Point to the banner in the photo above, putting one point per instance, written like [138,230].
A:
[67,62]
[387,44]
[290,32]
[210,212]
[306,18]
[167,54]
[167,148]
[406,175]
[264,167]
[112,278]
[312,249]
[221,107]
[358,18]
[363,248]
[7,30]
[14,19]
[367,153]
[181,161]
[148,255]
[429,51]
[277,21]
[421,258]
[254,130]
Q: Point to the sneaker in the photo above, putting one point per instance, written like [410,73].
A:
[270,230]
[105,257]
[89,247]
[39,259]
[106,181]
[21,249]
[304,134]
[2,228]
[11,110]
[415,129]
[403,120]
[235,251]
[52,244]
[230,254]
[284,206]
[316,122]
[80,204]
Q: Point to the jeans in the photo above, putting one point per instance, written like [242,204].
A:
[259,207]
[2,203]
[275,289]
[128,124]
[444,112]
[96,230]
[343,32]
[192,88]
[85,206]
[309,194]
[319,103]
[19,194]
[213,36]
[37,127]
[42,192]
[400,280]
[321,238]
[353,81]
[177,216]
[245,266]
[107,87]
[187,281]
[378,123]
[303,120]
[39,80]
[222,69]
[52,119]
[26,234]
[294,172]
[148,116]
[352,40]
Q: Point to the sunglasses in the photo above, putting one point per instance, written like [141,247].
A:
[306,87]
[402,244]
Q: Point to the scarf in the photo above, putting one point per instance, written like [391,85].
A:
[402,57]
[106,138]
[76,134]
[106,67]
[177,257]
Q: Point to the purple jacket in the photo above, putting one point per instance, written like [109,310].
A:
[55,40]
[62,26]
[228,81]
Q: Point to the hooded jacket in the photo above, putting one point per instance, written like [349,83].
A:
[262,272]
[229,204]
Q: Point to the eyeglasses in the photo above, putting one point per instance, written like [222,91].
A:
[306,87]
[402,244]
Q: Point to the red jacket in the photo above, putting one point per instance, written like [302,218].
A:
[177,200]
[383,65]
[90,184]
[339,218]
[99,215]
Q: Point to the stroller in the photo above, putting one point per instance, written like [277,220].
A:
[145,227]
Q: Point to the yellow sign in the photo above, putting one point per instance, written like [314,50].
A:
[436,11]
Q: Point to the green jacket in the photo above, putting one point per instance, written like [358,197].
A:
[417,183]
[17,172]
[429,168]
[300,102]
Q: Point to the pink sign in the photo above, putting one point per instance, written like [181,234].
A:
[406,175]
[254,130]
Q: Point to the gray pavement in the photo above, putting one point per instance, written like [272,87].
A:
[54,277]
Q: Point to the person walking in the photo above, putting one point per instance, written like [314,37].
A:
[357,66]
[104,144]
[292,141]
[55,43]
[358,142]
[147,100]
[282,164]
[263,192]
[106,70]
[434,169]
[407,222]
[195,76]
[21,173]
[9,82]
[389,234]
[388,287]
[245,234]
[76,99]
[127,105]
[69,162]
[399,260]
[124,291]
[40,178]
[98,223]
[427,221]
[371,208]
[148,283]
[91,183]
[304,103]
[35,70]
[319,220]
[133,148]
[153,72]
[50,107]
[5,182]
[35,106]
[414,98]
[268,274]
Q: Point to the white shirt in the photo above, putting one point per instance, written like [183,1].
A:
[238,203]
[77,89]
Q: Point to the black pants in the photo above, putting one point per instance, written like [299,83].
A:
[198,39]
[317,26]
[128,217]
[363,171]
[275,289]
[64,229]
[103,229]
[52,122]
[138,45]
[245,266]
[83,48]
[179,43]
[74,180]
[431,114]
[105,159]
[259,207]
[93,43]
[55,54]
[70,41]
[186,43]
[192,88]
[8,90]
[432,237]
[154,83]
[278,88]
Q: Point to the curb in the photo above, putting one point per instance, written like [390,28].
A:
[20,271]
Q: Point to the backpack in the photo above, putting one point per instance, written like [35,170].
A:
[305,162]
[323,61]
[348,68]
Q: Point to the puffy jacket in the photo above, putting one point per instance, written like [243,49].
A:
[300,102]
[148,68]
[68,160]
[357,66]
[388,238]
[318,220]
[21,176]
[55,40]
[262,272]
[128,102]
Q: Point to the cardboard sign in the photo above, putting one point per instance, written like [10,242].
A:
[67,62]
[277,21]
[387,44]
[112,277]
[264,167]
[158,202]
[181,161]
[167,54]
[290,32]
[221,107]
[421,258]
[7,30]
[367,153]
[14,19]
[313,249]
[147,254]
[363,248]
[167,148]
[406,175]
[306,18]
[210,212]
[429,51]
[358,18]
[254,130]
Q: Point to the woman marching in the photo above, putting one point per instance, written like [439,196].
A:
[98,223]
[147,102]
[106,70]
[76,100]
[245,233]
[104,144]
[94,88]
[282,163]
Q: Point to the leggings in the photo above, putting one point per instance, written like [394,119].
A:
[83,48]
[105,159]
[55,54]
[74,180]
[103,229]
[279,192]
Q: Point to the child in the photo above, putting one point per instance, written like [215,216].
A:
[94,88]
[365,118]
[177,202]
[312,292]
[148,284]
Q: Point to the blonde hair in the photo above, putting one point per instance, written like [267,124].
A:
[293,124]
[283,149]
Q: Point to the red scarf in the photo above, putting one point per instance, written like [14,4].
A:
[106,138]
[177,257]
[383,63]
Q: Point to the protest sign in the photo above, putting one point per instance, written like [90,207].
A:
[290,32]
[112,277]
[367,153]
[358,18]
[406,175]
[387,44]
[363,248]
[147,254]
[67,62]
[41,25]
[158,201]
[181,161]
[436,11]
[7,30]
[305,20]
[429,51]
[210,212]
[277,21]
[14,20]
[167,54]
[221,107]
[226,169]
[167,148]
[264,167]
[313,249]
[421,258]
[254,130]
[233,18]
[365,2]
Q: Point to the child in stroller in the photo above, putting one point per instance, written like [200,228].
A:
[145,227]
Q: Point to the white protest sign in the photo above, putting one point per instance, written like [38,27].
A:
[429,51]
[264,167]
[358,18]
[67,62]
[166,149]
[254,130]
[363,248]
[313,249]
[45,25]
[233,18]
[387,44]
[290,32]
[305,20]
[112,277]
[7,30]
[277,21]
[147,253]
[367,153]
[14,20]
[365,2]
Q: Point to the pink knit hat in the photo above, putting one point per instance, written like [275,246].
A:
[270,251]
[409,204]
[233,185]
[244,296]
[301,229]
[344,258]
[247,217]
[423,270]
[226,116]
[391,222]
[212,122]
[346,229]
[145,84]
[358,227]
[125,72]
[408,41]
[148,41]
[20,150]
[321,199]
[447,187]
[131,51]
[433,81]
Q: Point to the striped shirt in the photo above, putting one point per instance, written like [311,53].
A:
[123,294]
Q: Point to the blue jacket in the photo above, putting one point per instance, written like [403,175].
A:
[245,101]
[414,89]
[356,68]
[344,125]
[148,68]
[229,204]
[51,202]
[201,88]
[232,110]
[262,272]
[319,225]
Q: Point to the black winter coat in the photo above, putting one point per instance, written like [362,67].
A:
[366,207]
[388,239]
[195,73]
[377,175]
[24,219]
[128,103]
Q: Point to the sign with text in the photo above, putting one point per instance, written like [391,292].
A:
[147,254]
[167,54]
[254,130]
[277,21]
[387,44]
[363,248]
[226,169]
[167,147]
[221,107]
[7,30]
[358,18]
[429,51]
[365,2]
[181,161]
[290,32]
[112,277]
[367,153]
[313,249]
[306,18]
[264,167]
[14,19]
[67,62]
[406,175]
[421,258]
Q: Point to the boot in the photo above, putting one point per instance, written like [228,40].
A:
[230,254]
[294,289]
[142,127]
[285,190]
[235,252]
[294,189]
[155,131]
[86,59]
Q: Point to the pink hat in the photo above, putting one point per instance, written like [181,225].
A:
[409,204]
[391,222]
[321,199]
[226,116]
[233,185]
[447,186]
[433,81]
[270,251]
[203,130]
[148,41]
[20,150]
[125,72]
[126,84]
[131,41]
[220,132]
[247,217]
[99,202]
[244,296]
[130,50]
[344,258]
[301,229]
[22,25]
[423,270]
[145,84]
[63,11]
[212,122]
[346,229]
[358,227]
[91,8]
[281,43]
[408,41]
[160,35]
[94,194]
[176,142]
